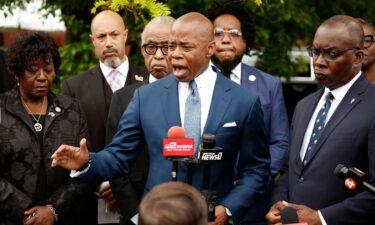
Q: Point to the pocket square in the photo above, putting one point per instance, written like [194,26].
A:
[231,124]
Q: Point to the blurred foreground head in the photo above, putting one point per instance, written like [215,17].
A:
[173,203]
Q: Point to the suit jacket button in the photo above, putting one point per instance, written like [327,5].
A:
[301,179]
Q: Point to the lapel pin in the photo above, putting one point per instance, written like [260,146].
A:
[252,78]
[57,109]
[138,78]
[51,114]
[352,101]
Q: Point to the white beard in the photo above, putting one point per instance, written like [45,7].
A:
[114,63]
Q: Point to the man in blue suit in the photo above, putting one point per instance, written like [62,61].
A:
[234,34]
[335,125]
[227,110]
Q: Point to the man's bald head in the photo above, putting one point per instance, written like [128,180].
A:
[337,51]
[191,46]
[350,25]
[108,35]
[204,26]
[107,16]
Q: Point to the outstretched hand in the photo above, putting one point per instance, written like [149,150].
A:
[70,157]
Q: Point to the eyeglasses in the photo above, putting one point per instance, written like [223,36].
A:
[327,54]
[233,33]
[151,49]
[369,39]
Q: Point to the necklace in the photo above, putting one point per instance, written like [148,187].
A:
[37,126]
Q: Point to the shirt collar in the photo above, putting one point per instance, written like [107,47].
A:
[208,77]
[237,71]
[340,92]
[123,68]
[151,79]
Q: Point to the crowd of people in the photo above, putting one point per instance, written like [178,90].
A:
[93,153]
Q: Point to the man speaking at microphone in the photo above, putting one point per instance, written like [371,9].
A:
[334,125]
[200,100]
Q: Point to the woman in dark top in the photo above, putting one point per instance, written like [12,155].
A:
[34,122]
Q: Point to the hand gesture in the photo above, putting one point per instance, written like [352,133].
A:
[70,157]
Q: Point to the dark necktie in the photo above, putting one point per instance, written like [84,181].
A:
[318,127]
[192,119]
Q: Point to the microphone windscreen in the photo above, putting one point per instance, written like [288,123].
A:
[289,215]
[338,170]
[176,132]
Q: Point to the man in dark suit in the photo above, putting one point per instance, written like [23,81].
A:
[94,87]
[234,32]
[200,100]
[128,190]
[335,125]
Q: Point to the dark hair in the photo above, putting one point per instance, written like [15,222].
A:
[238,10]
[173,203]
[27,48]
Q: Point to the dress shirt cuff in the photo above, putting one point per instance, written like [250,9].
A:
[77,173]
[230,215]
[321,218]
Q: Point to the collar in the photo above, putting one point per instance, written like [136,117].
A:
[151,79]
[205,79]
[123,68]
[340,92]
[236,72]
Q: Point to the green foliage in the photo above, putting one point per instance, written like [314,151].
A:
[280,26]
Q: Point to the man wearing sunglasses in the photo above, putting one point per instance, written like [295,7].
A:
[128,190]
[234,33]
[368,65]
[334,125]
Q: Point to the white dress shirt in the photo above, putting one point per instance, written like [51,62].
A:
[206,84]
[338,94]
[236,74]
[123,70]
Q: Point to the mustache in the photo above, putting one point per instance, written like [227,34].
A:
[110,50]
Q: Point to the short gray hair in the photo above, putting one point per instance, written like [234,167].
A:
[159,19]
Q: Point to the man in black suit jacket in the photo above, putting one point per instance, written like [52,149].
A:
[128,190]
[325,133]
[94,87]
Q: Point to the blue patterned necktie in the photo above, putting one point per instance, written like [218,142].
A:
[318,127]
[192,119]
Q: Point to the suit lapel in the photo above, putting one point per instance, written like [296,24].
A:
[170,102]
[98,88]
[301,126]
[219,104]
[352,99]
[245,73]
[134,75]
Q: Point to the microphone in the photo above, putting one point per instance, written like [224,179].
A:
[177,148]
[176,145]
[208,152]
[353,176]
[289,216]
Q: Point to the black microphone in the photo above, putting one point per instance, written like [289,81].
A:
[208,152]
[353,176]
[207,155]
[289,215]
